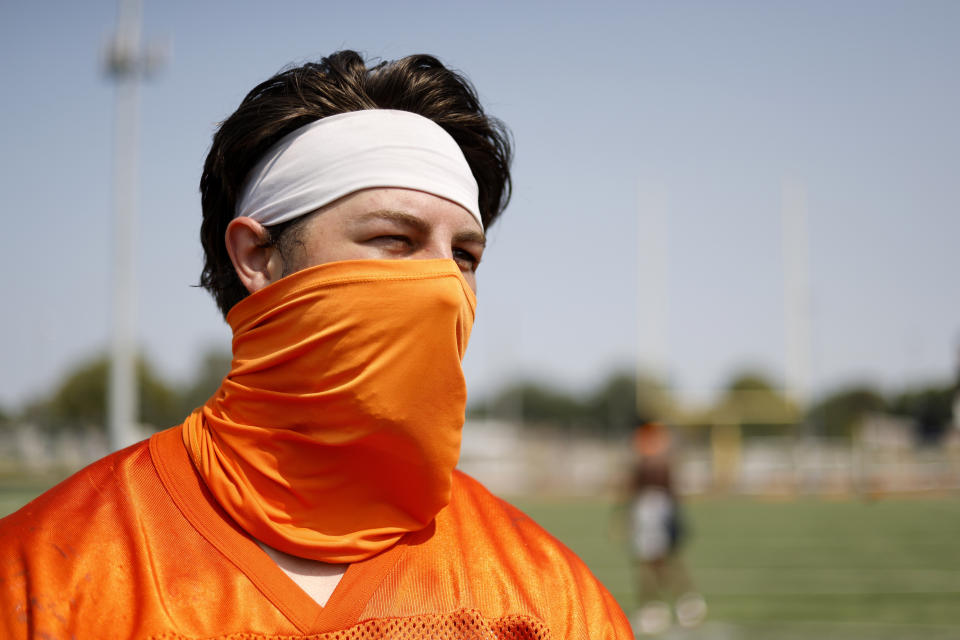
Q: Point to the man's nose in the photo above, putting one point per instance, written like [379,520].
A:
[435,249]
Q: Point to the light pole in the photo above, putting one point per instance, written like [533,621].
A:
[126,63]
[796,258]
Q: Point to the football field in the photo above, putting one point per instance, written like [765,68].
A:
[805,568]
[808,568]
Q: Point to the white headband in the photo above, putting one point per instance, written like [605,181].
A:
[337,155]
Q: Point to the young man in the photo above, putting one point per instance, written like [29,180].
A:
[657,535]
[314,495]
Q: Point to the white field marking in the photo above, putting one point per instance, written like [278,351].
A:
[797,581]
[804,630]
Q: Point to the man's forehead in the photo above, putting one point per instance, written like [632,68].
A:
[414,209]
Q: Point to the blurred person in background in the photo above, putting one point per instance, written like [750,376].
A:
[314,494]
[657,531]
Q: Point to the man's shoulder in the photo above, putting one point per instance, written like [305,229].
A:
[498,549]
[89,499]
[58,551]
[470,498]
[493,524]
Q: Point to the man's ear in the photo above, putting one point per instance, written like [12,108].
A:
[255,260]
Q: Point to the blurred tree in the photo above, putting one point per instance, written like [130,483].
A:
[623,399]
[159,402]
[214,366]
[654,400]
[838,414]
[80,400]
[750,381]
[532,402]
[930,408]
[753,401]
[610,408]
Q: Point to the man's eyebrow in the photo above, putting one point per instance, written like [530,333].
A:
[404,218]
[393,215]
[471,236]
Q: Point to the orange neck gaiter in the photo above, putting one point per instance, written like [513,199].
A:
[338,428]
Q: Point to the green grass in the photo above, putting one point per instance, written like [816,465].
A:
[805,568]
[830,570]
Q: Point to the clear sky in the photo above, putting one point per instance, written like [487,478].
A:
[712,106]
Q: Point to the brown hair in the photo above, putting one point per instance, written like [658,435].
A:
[340,83]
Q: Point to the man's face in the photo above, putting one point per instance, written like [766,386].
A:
[390,223]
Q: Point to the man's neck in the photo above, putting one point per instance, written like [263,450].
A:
[317,579]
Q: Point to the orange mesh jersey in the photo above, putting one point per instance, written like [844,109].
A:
[135,547]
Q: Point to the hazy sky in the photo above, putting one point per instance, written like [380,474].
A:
[709,108]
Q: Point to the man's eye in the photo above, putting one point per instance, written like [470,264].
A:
[392,241]
[466,260]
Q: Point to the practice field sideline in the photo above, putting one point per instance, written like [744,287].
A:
[788,570]
[797,569]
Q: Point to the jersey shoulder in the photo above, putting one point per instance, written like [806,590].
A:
[58,551]
[506,552]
